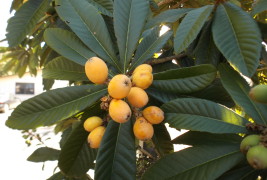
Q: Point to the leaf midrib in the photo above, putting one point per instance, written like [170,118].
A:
[206,162]
[64,104]
[211,118]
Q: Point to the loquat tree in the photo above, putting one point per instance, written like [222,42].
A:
[197,76]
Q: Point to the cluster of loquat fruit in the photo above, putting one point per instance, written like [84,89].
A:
[254,147]
[126,95]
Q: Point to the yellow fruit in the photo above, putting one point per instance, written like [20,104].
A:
[137,97]
[119,86]
[153,114]
[92,122]
[142,79]
[95,137]
[119,111]
[96,70]
[142,129]
[143,67]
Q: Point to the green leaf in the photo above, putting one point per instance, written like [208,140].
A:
[168,16]
[105,6]
[162,139]
[44,154]
[190,27]
[195,138]
[76,156]
[25,20]
[60,176]
[215,92]
[185,80]
[87,23]
[202,115]
[243,173]
[63,69]
[54,105]
[205,162]
[129,20]
[206,51]
[258,7]
[68,45]
[239,89]
[237,36]
[161,96]
[116,158]
[149,45]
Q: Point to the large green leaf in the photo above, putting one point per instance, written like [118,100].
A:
[129,20]
[245,172]
[195,138]
[54,105]
[237,36]
[76,157]
[24,20]
[239,89]
[61,176]
[206,51]
[68,45]
[116,158]
[161,96]
[162,139]
[63,69]
[190,27]
[43,154]
[202,115]
[149,45]
[201,162]
[185,80]
[105,6]
[87,23]
[168,16]
[258,7]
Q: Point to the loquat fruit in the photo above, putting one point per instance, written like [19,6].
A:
[137,97]
[248,142]
[153,114]
[142,129]
[119,86]
[257,157]
[143,67]
[92,122]
[96,70]
[119,111]
[95,137]
[142,79]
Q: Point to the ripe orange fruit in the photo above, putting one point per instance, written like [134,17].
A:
[92,123]
[142,79]
[119,86]
[142,129]
[143,67]
[137,97]
[153,114]
[119,111]
[95,137]
[96,70]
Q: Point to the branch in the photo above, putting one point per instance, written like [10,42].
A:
[166,59]
[164,2]
[178,4]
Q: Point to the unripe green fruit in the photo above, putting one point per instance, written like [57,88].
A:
[248,142]
[259,93]
[257,157]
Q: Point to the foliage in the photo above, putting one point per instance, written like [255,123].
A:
[201,69]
